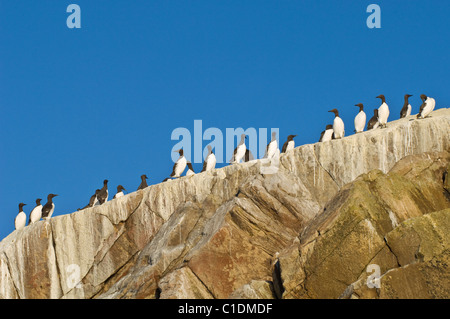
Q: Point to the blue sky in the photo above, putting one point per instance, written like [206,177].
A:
[81,105]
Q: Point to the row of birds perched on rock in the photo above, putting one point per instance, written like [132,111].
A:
[379,119]
[241,153]
[101,195]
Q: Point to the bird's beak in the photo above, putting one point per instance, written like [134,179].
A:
[55,195]
[295,135]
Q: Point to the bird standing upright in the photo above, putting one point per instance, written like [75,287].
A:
[360,119]
[49,207]
[103,194]
[406,109]
[21,218]
[383,111]
[210,161]
[271,148]
[427,106]
[119,193]
[327,135]
[239,151]
[36,213]
[289,144]
[373,122]
[180,165]
[143,182]
[338,125]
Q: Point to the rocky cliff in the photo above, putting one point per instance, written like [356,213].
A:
[335,217]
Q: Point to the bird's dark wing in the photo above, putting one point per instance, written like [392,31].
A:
[372,122]
[204,165]
[283,150]
[321,136]
[46,210]
[422,107]
[403,112]
[173,170]
[91,201]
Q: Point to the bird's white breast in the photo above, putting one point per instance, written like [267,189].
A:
[240,152]
[338,127]
[360,121]
[429,106]
[21,220]
[408,110]
[36,214]
[210,162]
[180,165]
[327,136]
[273,145]
[290,146]
[383,113]
[119,194]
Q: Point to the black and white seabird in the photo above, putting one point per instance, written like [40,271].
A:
[103,194]
[21,218]
[180,165]
[272,147]
[36,213]
[427,106]
[210,160]
[328,134]
[338,125]
[373,122]
[49,207]
[383,111]
[119,193]
[360,119]
[239,151]
[406,109]
[143,182]
[92,201]
[289,144]
[190,170]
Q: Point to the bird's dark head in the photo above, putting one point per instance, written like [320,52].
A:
[180,151]
[423,97]
[21,205]
[120,188]
[38,201]
[407,96]
[50,196]
[329,127]
[143,177]
[105,182]
[335,111]
[360,105]
[97,191]
[381,96]
[291,137]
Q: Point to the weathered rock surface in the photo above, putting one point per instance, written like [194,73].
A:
[308,231]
